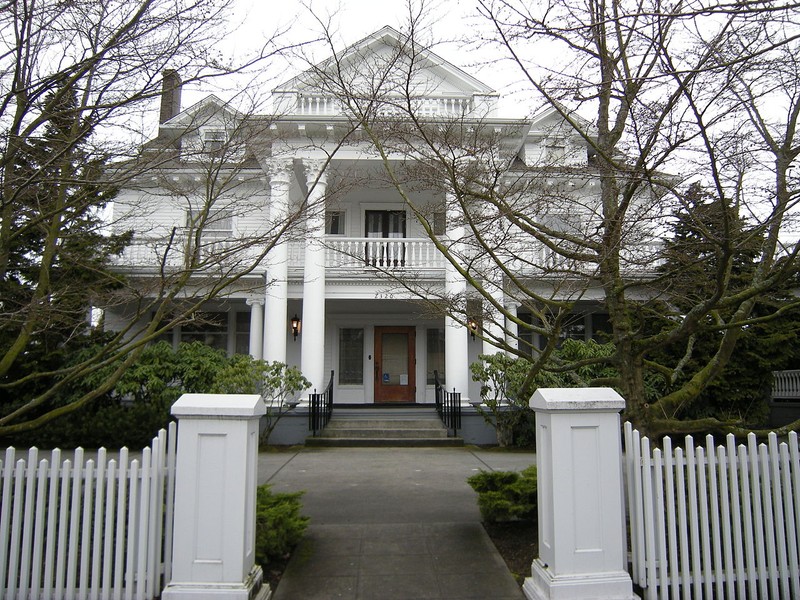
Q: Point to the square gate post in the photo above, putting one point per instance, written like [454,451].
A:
[215,494]
[582,543]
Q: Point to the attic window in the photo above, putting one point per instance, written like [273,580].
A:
[556,149]
[213,140]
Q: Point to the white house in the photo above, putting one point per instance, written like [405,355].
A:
[340,290]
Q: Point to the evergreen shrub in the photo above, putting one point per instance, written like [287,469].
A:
[279,524]
[506,495]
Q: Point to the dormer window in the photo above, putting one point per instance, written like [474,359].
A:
[213,140]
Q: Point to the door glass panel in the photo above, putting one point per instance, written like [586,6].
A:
[394,367]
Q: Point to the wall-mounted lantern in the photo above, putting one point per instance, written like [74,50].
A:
[295,326]
[472,325]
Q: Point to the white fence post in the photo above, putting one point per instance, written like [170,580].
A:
[582,548]
[213,547]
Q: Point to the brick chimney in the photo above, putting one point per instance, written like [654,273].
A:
[170,95]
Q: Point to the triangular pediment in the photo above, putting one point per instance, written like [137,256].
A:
[384,62]
[210,111]
[552,122]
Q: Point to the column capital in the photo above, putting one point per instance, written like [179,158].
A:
[313,169]
[279,170]
[255,302]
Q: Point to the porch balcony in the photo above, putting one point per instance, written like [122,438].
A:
[344,256]
[360,256]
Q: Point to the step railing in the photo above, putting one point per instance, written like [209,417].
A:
[448,406]
[320,408]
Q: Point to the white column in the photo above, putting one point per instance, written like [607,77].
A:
[582,548]
[276,325]
[312,351]
[215,496]
[256,327]
[512,329]
[456,336]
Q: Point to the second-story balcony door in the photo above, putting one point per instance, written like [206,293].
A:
[385,224]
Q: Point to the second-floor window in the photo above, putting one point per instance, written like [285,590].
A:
[334,222]
[217,224]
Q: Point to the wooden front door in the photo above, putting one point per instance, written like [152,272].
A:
[395,364]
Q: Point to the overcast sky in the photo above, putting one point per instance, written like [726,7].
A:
[452,26]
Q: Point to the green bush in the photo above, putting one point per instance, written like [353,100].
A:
[279,525]
[139,405]
[506,495]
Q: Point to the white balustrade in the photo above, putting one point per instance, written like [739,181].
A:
[786,384]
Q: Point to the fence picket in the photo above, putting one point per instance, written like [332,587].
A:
[672,531]
[650,542]
[74,522]
[791,530]
[725,518]
[16,527]
[694,517]
[769,521]
[38,527]
[749,536]
[97,527]
[736,512]
[108,531]
[758,518]
[89,529]
[52,511]
[85,544]
[122,502]
[776,500]
[718,521]
[683,529]
[29,500]
[144,528]
[5,512]
[130,550]
[661,537]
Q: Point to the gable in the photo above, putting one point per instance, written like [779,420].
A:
[384,63]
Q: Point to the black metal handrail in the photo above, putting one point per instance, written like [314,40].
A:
[320,408]
[448,406]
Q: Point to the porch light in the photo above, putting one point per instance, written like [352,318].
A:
[295,326]
[472,325]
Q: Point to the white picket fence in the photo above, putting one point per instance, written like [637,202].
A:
[714,521]
[87,529]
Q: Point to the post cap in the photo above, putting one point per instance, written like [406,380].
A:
[599,399]
[224,406]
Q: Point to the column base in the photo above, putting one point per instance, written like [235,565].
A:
[544,585]
[253,588]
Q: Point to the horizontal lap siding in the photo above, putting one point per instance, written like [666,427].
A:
[714,521]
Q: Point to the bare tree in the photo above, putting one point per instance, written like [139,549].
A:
[639,100]
[74,77]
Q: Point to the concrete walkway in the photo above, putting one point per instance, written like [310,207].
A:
[391,524]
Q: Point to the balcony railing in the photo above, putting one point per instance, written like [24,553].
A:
[346,256]
[415,254]
[434,106]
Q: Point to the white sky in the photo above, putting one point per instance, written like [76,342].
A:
[451,26]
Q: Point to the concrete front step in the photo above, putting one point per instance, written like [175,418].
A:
[384,427]
[334,442]
[383,432]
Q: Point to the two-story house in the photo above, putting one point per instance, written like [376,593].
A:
[332,265]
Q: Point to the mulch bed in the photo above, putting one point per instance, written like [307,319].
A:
[517,543]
